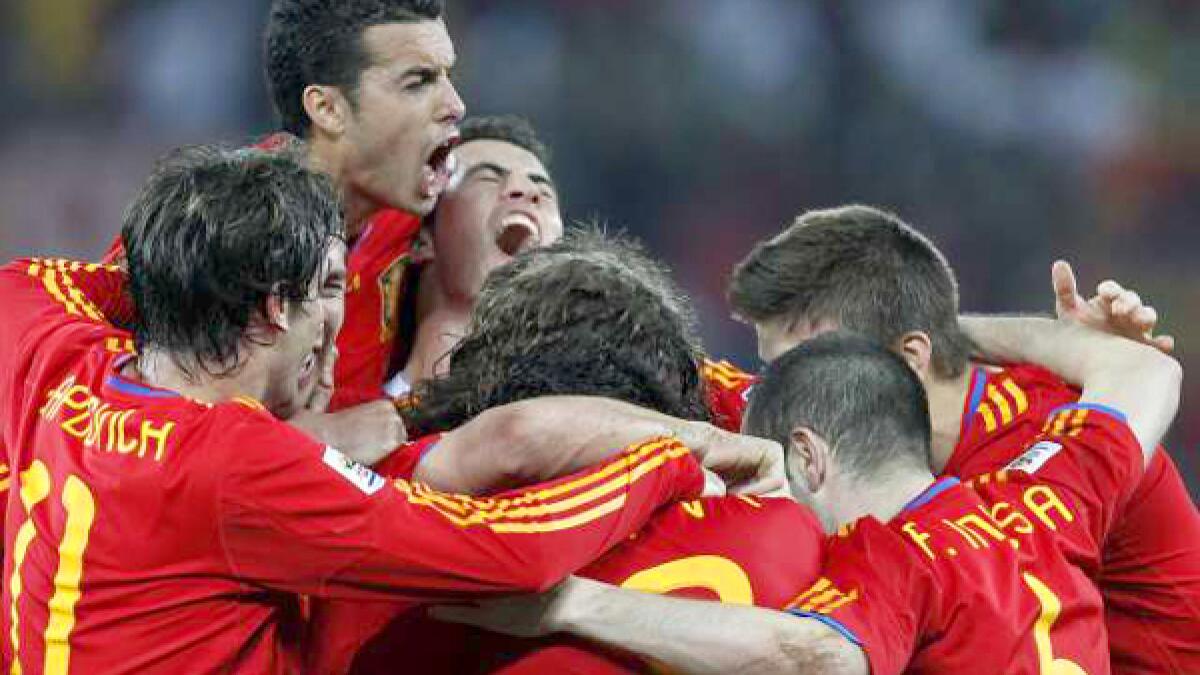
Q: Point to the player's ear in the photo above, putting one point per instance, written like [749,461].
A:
[916,349]
[422,250]
[327,108]
[276,312]
[808,458]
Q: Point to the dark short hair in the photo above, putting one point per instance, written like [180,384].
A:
[508,128]
[589,315]
[321,42]
[212,235]
[860,397]
[861,267]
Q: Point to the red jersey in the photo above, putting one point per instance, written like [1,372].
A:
[1149,570]
[375,273]
[694,549]
[727,390]
[156,533]
[980,580]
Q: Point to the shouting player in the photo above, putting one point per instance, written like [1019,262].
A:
[864,270]
[164,519]
[926,574]
[501,200]
[591,315]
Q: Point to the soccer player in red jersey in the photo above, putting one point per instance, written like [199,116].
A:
[365,85]
[591,315]
[831,268]
[165,519]
[501,200]
[925,574]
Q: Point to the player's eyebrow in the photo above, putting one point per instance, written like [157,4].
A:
[424,72]
[486,166]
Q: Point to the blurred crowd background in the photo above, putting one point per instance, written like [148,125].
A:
[1012,131]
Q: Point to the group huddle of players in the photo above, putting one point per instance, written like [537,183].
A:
[558,478]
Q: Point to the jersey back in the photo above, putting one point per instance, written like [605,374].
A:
[1149,568]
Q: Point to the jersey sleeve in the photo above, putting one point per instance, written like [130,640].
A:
[727,392]
[403,461]
[303,518]
[872,594]
[72,303]
[1088,452]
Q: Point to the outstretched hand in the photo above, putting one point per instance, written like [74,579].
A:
[1114,309]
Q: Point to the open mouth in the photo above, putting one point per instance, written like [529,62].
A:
[439,167]
[518,232]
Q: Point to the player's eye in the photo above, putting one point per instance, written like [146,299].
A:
[488,175]
[334,286]
[419,81]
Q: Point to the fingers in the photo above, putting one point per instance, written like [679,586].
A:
[1165,343]
[1108,290]
[1126,303]
[1062,278]
[771,486]
[1144,318]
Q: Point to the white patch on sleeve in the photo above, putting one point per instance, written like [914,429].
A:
[1036,456]
[361,476]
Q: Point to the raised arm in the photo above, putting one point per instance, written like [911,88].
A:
[1136,379]
[544,438]
[688,636]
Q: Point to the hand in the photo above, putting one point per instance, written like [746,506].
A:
[523,616]
[364,433]
[1114,309]
[748,465]
[323,392]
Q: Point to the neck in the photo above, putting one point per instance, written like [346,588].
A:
[441,323]
[882,499]
[947,397]
[327,157]
[158,369]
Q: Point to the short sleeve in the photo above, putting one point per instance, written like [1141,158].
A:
[871,592]
[1088,452]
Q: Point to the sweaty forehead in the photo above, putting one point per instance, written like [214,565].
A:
[406,45]
[501,153]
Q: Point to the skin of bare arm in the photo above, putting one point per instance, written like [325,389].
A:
[688,636]
[539,439]
[1135,378]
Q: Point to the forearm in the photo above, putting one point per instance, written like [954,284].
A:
[703,637]
[1131,377]
[542,439]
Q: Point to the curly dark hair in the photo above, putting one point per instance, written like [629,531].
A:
[212,235]
[589,315]
[320,42]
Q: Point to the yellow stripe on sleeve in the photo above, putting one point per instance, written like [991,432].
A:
[819,587]
[1017,394]
[994,395]
[1077,421]
[50,281]
[1060,422]
[500,516]
[989,419]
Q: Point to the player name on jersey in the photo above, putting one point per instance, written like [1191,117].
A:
[98,424]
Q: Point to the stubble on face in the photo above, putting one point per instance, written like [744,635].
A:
[405,107]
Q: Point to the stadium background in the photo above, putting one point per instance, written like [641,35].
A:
[1012,131]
